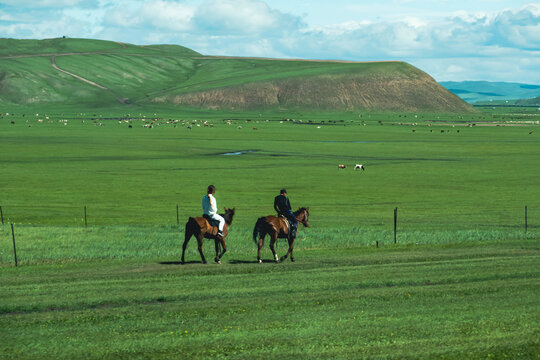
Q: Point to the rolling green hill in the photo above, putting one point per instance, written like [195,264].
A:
[94,73]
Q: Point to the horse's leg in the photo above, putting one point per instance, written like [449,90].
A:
[216,259]
[273,239]
[199,247]
[259,247]
[224,249]
[291,243]
[186,240]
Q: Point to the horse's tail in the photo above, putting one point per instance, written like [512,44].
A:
[257,230]
[192,228]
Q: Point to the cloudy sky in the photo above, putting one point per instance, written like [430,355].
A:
[493,40]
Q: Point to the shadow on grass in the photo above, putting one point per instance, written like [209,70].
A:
[179,262]
[235,262]
[232,262]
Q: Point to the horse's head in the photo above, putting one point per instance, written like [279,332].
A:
[228,216]
[302,215]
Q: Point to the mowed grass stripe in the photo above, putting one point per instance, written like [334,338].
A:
[180,283]
[396,308]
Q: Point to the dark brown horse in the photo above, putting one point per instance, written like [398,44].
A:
[201,228]
[277,228]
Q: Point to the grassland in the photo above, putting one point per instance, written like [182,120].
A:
[439,178]
[474,301]
[461,282]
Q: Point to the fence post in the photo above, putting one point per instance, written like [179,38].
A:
[2,214]
[525,218]
[14,248]
[85,223]
[395,225]
[177,217]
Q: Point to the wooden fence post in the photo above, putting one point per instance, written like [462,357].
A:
[395,225]
[14,247]
[525,218]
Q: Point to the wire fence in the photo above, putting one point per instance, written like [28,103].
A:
[57,233]
[387,216]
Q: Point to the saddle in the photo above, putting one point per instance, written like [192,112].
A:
[212,222]
[287,223]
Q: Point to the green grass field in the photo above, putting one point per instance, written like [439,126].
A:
[472,301]
[461,282]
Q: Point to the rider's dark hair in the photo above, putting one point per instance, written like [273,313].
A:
[283,191]
[211,189]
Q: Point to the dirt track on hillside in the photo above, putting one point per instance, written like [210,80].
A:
[76,76]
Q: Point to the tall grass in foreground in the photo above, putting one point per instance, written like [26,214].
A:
[44,244]
[474,301]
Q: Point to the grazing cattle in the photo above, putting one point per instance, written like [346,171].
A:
[359,166]
[340,166]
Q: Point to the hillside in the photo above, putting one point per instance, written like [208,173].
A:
[103,73]
[529,102]
[486,91]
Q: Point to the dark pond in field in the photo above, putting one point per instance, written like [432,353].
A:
[241,152]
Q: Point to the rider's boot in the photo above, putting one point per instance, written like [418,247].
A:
[220,235]
[293,232]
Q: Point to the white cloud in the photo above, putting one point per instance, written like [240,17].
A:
[41,3]
[155,16]
[6,16]
[169,15]
[244,17]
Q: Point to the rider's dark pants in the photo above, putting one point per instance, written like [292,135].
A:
[292,219]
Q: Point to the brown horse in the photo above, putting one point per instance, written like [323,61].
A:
[201,228]
[276,228]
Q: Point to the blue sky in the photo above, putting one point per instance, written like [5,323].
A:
[495,40]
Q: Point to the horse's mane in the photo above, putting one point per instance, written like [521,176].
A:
[228,216]
[299,211]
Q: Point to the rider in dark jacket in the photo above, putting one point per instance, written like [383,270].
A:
[283,207]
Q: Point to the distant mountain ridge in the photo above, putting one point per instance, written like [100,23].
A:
[529,102]
[486,91]
[104,73]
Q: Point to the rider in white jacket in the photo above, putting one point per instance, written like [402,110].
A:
[210,208]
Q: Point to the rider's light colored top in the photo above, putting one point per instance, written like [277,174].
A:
[209,204]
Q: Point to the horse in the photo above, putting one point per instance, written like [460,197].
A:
[277,228]
[201,228]
[359,166]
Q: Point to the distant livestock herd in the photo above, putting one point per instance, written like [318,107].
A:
[356,167]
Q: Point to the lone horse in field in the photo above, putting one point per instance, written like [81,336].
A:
[277,227]
[201,228]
